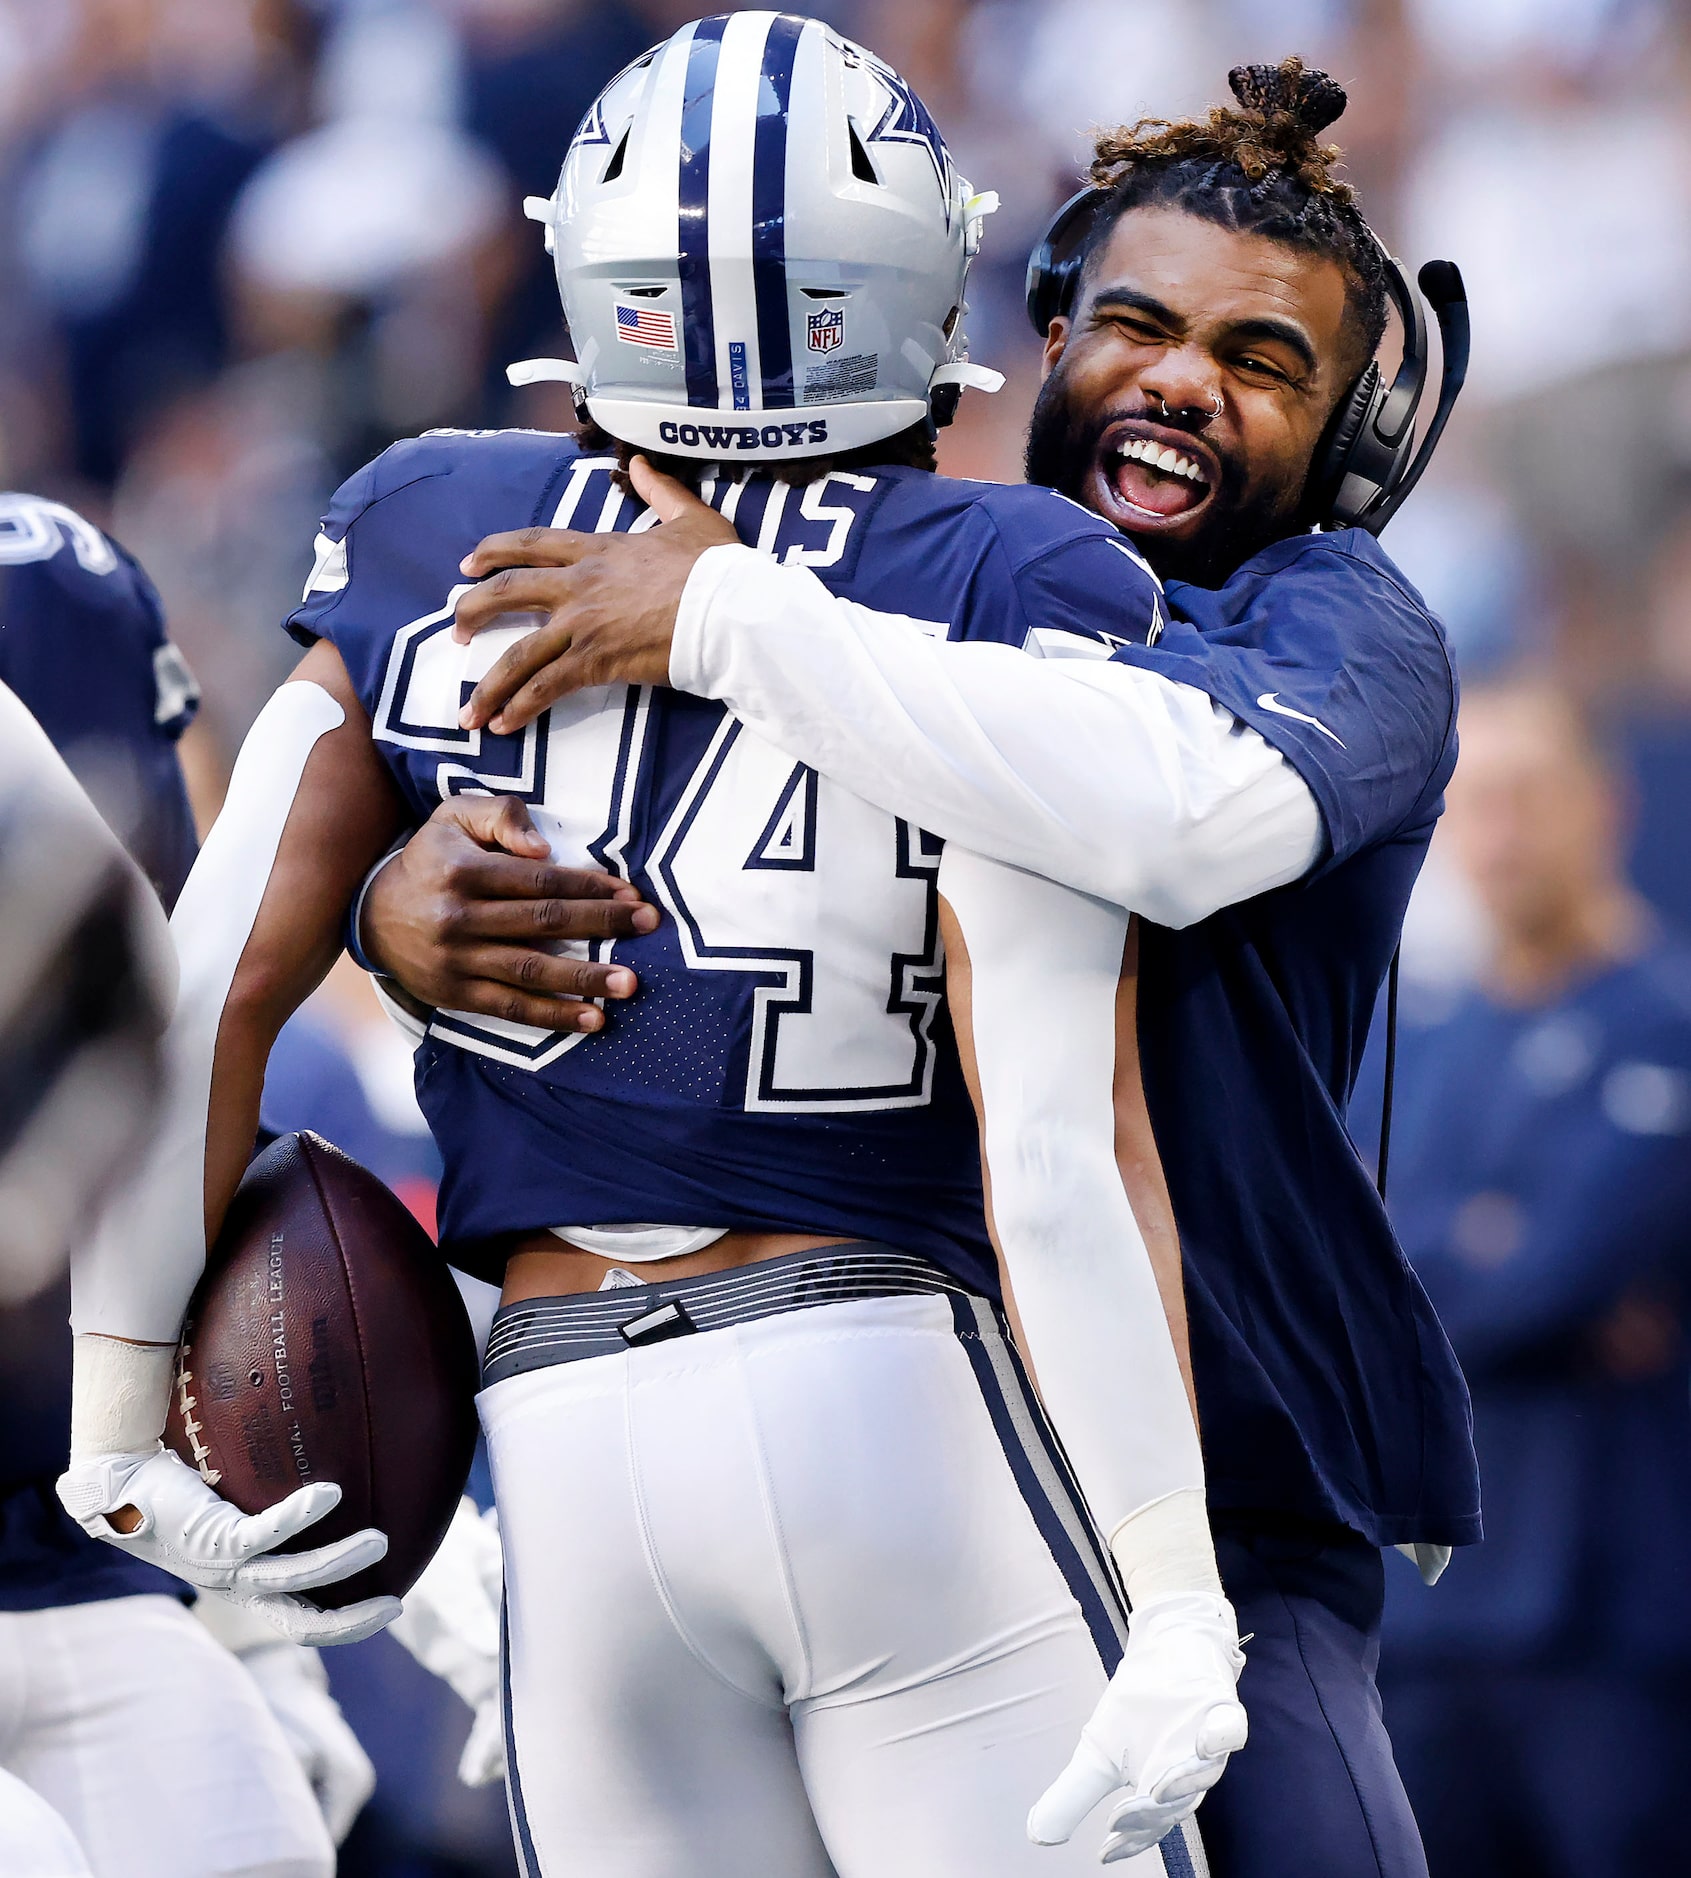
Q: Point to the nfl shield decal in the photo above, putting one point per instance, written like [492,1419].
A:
[825,330]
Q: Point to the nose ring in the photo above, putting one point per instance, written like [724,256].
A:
[1168,410]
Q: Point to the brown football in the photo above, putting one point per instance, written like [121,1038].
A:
[327,1341]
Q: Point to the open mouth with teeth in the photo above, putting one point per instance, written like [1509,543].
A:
[1148,482]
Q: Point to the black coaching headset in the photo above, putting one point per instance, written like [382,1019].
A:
[1366,463]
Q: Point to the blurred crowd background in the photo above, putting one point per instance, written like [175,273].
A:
[247,243]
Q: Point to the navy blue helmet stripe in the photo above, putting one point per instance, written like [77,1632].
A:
[769,212]
[698,322]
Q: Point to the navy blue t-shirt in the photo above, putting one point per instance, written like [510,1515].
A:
[82,643]
[787,1064]
[1325,1384]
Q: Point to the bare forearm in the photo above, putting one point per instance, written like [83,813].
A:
[258,923]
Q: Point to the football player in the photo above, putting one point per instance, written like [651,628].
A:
[1211,389]
[131,1742]
[798,1579]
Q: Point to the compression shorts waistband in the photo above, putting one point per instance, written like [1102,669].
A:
[538,1332]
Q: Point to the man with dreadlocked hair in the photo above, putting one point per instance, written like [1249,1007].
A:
[1256,776]
[1258,172]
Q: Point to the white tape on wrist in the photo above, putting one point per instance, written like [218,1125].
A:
[1165,1548]
[119,1395]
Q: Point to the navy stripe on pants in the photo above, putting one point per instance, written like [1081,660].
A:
[513,1781]
[1049,1490]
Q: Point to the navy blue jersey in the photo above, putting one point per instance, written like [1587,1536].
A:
[1541,1184]
[83,644]
[786,1065]
[1325,1382]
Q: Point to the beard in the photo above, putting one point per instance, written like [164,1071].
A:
[1063,448]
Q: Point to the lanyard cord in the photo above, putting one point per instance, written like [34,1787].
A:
[1391,1071]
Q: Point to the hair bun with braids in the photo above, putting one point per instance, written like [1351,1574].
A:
[1281,111]
[1312,99]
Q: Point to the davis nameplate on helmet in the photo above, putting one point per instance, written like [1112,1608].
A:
[826,330]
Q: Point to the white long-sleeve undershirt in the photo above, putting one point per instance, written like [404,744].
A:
[1076,1260]
[1099,775]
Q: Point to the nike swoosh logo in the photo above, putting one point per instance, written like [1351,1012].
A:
[1270,701]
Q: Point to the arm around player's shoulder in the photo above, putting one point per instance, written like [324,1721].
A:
[1322,646]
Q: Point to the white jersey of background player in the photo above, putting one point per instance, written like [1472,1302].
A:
[863,1654]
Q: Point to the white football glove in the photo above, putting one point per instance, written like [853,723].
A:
[1163,1729]
[188,1529]
[296,1686]
[451,1625]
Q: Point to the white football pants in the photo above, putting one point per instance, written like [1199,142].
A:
[34,1841]
[797,1597]
[147,1751]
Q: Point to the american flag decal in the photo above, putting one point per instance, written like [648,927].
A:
[646,326]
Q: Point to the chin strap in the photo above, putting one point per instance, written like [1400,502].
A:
[539,209]
[967,377]
[946,388]
[545,371]
[975,211]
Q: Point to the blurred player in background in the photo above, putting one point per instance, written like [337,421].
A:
[1541,1183]
[841,1609]
[84,646]
[136,1746]
[86,983]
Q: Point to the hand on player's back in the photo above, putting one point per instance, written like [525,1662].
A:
[467,917]
[610,602]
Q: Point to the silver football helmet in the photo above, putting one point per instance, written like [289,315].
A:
[761,242]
